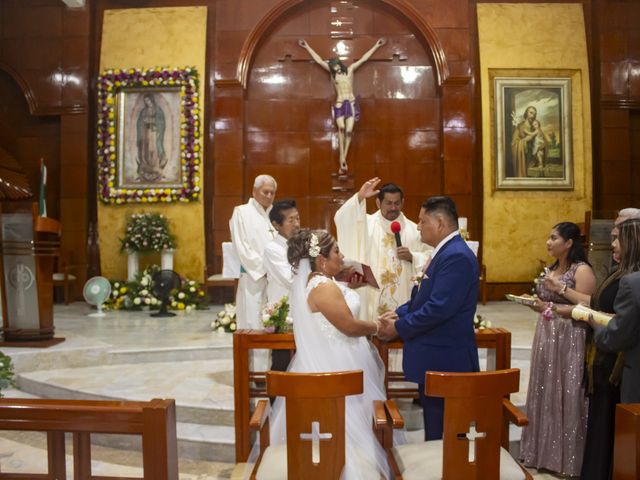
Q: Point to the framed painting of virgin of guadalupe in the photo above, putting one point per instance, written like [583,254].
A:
[532,133]
[149,138]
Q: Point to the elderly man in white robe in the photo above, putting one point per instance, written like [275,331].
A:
[369,239]
[251,230]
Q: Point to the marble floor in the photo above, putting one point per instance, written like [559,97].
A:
[132,356]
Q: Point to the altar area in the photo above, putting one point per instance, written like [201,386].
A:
[132,356]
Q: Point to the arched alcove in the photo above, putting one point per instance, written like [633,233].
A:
[287,125]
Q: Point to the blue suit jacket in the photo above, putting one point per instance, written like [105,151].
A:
[436,324]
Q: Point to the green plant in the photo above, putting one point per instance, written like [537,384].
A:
[275,316]
[147,232]
[6,372]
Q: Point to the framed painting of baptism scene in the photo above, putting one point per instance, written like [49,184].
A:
[148,135]
[532,130]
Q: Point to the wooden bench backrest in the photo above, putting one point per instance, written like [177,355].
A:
[246,382]
[155,421]
[311,398]
[472,403]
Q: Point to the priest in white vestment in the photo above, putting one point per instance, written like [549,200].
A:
[251,230]
[369,239]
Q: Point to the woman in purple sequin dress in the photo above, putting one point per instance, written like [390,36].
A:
[556,400]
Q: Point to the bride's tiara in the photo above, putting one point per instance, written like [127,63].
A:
[314,248]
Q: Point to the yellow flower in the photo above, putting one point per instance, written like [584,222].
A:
[123,289]
[181,306]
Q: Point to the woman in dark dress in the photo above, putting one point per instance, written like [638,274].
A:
[603,369]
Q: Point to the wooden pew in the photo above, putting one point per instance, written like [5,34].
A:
[154,420]
[626,448]
[249,384]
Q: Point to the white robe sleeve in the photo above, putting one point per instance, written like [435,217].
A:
[250,259]
[351,226]
[277,266]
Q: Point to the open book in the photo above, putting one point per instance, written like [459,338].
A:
[352,268]
[581,312]
[521,299]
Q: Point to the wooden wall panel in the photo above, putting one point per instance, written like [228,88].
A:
[287,129]
[618,35]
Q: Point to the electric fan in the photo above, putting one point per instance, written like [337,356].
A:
[95,292]
[162,283]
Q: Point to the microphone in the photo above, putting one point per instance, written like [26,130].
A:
[395,228]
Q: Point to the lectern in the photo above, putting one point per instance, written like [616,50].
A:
[28,245]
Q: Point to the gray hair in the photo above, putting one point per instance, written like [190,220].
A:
[629,213]
[264,178]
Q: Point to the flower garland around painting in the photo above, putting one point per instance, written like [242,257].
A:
[109,84]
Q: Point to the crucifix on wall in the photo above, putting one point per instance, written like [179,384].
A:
[346,109]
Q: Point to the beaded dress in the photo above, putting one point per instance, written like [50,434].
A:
[556,401]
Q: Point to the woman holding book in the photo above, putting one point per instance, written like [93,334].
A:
[556,401]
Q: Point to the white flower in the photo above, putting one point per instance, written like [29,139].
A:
[265,317]
[144,292]
[144,281]
[226,320]
[154,301]
[289,320]
[220,329]
[181,295]
[232,327]
[147,301]
[137,301]
[192,289]
[188,308]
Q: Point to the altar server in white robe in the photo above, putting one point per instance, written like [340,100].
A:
[251,230]
[285,219]
[369,239]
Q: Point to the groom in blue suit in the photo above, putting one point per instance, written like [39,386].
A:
[436,324]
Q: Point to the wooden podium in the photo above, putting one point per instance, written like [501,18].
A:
[28,246]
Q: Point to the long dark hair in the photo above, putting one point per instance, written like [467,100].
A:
[571,231]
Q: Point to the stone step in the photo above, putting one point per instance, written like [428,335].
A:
[203,390]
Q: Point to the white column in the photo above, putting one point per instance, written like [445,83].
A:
[132,266]
[166,259]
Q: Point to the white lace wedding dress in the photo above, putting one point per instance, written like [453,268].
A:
[320,347]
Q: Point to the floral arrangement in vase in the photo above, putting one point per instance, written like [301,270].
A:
[6,372]
[225,320]
[275,316]
[147,232]
[136,295]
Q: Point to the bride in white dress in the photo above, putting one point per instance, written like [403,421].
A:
[330,337]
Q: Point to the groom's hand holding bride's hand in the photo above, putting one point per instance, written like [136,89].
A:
[387,330]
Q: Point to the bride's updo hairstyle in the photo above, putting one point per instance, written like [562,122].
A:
[300,246]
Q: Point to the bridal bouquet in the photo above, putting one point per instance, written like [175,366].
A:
[225,321]
[275,316]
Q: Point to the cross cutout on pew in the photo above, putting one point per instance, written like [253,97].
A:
[315,436]
[471,436]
